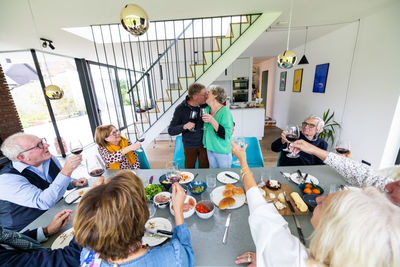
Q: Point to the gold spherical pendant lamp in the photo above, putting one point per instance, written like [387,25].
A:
[134,19]
[287,59]
[53,92]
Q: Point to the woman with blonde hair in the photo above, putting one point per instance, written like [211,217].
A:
[110,224]
[116,151]
[218,129]
[356,227]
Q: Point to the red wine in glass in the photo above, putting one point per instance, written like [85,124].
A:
[96,172]
[76,151]
[341,150]
[193,118]
[291,137]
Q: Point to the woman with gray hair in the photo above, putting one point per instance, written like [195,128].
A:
[218,129]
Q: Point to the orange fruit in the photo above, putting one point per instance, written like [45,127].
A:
[308,186]
[316,191]
[307,190]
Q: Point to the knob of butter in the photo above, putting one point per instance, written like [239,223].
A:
[300,204]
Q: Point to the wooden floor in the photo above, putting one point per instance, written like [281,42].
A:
[162,152]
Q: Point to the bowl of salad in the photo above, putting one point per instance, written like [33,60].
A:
[197,187]
[151,190]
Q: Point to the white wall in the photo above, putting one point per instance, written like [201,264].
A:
[270,66]
[366,110]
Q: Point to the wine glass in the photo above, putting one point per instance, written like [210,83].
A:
[140,138]
[193,118]
[342,146]
[75,146]
[95,166]
[287,144]
[203,111]
[152,208]
[240,141]
[173,174]
[292,134]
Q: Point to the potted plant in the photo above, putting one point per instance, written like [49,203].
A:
[328,132]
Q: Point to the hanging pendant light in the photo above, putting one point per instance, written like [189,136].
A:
[134,19]
[287,58]
[53,92]
[303,59]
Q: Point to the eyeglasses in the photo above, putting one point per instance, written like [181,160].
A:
[310,125]
[40,145]
[115,133]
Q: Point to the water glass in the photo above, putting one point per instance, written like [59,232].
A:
[211,181]
[152,208]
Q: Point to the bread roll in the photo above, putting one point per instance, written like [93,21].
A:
[226,202]
[300,204]
[229,186]
[227,193]
[237,191]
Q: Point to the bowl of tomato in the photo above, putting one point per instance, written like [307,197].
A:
[205,209]
[311,189]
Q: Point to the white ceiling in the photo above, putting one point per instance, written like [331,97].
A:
[17,29]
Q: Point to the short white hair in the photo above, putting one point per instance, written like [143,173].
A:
[358,227]
[320,124]
[11,148]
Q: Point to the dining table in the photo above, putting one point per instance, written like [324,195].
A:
[207,234]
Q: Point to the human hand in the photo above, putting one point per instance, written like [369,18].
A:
[245,257]
[239,152]
[178,197]
[188,126]
[283,137]
[301,145]
[135,146]
[101,180]
[71,163]
[59,221]
[80,182]
[207,118]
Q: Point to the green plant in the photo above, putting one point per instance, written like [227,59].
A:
[328,132]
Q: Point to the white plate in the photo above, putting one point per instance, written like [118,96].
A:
[161,224]
[63,239]
[216,197]
[188,180]
[225,179]
[295,178]
[188,213]
[71,196]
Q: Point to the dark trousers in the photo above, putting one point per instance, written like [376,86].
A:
[191,155]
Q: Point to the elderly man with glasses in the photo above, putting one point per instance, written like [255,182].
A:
[34,180]
[310,129]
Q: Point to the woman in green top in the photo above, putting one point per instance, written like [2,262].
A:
[218,129]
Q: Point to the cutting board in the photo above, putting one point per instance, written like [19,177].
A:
[286,211]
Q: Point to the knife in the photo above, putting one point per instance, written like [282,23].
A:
[195,176]
[230,176]
[298,226]
[228,221]
[75,199]
[160,232]
[287,177]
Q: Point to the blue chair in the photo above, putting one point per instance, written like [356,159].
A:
[144,163]
[179,153]
[253,154]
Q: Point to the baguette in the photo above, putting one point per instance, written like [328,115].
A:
[300,204]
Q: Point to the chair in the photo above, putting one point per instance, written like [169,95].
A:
[144,163]
[253,154]
[179,153]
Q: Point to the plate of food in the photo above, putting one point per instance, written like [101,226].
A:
[152,189]
[186,177]
[228,177]
[75,196]
[156,223]
[228,197]
[297,179]
[63,239]
[188,207]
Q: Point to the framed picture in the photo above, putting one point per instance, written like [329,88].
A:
[282,84]
[321,75]
[297,79]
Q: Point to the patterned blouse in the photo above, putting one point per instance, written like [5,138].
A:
[109,158]
[357,173]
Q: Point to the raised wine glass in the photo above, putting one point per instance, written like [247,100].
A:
[95,166]
[75,146]
[240,141]
[193,118]
[292,134]
[287,144]
[342,146]
[140,138]
[202,112]
[173,174]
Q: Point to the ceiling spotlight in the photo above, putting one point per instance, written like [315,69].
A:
[47,42]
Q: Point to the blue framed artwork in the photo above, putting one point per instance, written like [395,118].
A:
[321,75]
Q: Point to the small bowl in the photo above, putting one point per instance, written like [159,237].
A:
[164,182]
[195,185]
[310,200]
[162,205]
[209,205]
[301,186]
[188,213]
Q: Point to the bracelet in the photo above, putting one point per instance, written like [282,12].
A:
[245,173]
[46,232]
[244,169]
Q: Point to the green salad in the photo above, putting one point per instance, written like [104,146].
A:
[152,190]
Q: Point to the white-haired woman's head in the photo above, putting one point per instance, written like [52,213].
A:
[357,227]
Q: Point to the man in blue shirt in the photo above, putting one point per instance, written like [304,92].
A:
[34,180]
[310,128]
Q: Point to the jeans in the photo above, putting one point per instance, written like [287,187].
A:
[218,160]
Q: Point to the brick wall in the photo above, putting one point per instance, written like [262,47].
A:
[9,120]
